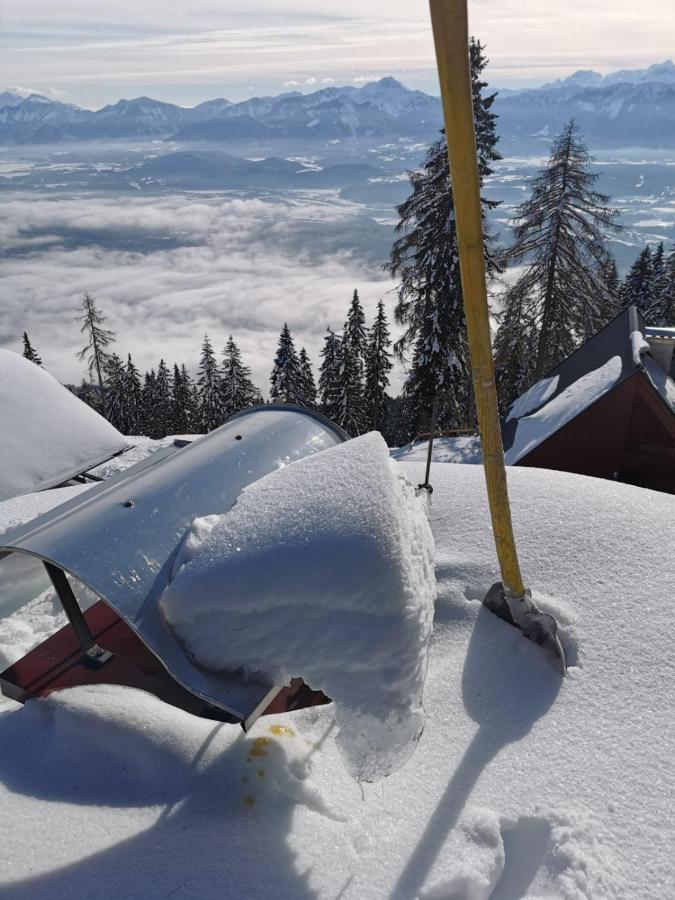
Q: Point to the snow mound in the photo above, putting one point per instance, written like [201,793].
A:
[578,396]
[323,569]
[47,434]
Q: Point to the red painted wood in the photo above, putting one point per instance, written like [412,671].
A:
[59,663]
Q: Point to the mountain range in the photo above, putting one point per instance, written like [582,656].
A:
[628,107]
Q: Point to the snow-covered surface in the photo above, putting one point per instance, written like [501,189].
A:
[639,346]
[663,383]
[575,398]
[46,434]
[524,785]
[324,570]
[463,449]
[533,398]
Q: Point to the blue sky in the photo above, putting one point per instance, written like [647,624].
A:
[92,53]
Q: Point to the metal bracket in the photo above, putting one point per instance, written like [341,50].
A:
[94,656]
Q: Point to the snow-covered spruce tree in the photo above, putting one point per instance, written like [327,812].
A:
[163,410]
[148,395]
[180,401]
[133,399]
[669,302]
[425,261]
[29,352]
[329,376]
[378,366]
[89,394]
[98,338]
[656,313]
[238,390]
[286,377]
[638,285]
[308,383]
[115,391]
[352,414]
[560,234]
[211,412]
[515,348]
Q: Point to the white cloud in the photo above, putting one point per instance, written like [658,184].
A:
[166,270]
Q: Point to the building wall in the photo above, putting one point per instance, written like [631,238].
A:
[628,435]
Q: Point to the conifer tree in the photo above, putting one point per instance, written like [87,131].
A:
[98,338]
[425,260]
[560,234]
[378,366]
[668,317]
[638,285]
[115,392]
[90,395]
[308,383]
[29,352]
[286,377]
[655,314]
[180,402]
[239,392]
[211,411]
[133,399]
[163,409]
[148,397]
[329,376]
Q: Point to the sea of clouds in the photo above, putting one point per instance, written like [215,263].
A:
[167,269]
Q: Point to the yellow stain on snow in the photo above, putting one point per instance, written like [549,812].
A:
[282,730]
[259,747]
[249,800]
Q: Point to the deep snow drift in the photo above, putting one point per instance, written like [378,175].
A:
[324,570]
[47,435]
[524,785]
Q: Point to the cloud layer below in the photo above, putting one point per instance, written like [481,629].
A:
[165,270]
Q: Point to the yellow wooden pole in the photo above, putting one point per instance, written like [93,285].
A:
[451,38]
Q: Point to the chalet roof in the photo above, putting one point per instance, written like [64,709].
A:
[597,367]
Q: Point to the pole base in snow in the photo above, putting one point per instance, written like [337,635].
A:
[523,613]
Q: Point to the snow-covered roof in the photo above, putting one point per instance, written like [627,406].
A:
[594,369]
[47,435]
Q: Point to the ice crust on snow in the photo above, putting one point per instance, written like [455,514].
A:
[46,433]
[538,394]
[324,570]
[578,396]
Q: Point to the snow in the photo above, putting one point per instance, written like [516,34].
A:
[639,346]
[48,435]
[575,398]
[462,449]
[524,785]
[324,570]
[533,398]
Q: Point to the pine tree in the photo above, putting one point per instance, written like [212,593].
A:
[239,392]
[98,338]
[115,391]
[89,394]
[353,416]
[29,352]
[133,399]
[329,376]
[378,366]
[560,233]
[286,377]
[211,411]
[425,259]
[515,348]
[308,383]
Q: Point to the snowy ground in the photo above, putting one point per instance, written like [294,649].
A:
[523,784]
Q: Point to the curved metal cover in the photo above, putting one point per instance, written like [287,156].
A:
[120,537]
